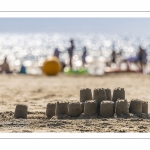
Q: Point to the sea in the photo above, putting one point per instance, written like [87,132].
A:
[31,49]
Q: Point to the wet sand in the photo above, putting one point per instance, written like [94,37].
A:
[38,90]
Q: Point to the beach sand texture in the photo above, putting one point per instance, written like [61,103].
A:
[36,91]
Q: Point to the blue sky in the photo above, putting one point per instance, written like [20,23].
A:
[77,25]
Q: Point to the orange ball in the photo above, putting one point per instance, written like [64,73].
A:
[51,66]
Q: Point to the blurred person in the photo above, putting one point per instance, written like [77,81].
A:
[120,58]
[57,54]
[116,58]
[84,56]
[22,69]
[5,67]
[113,54]
[113,57]
[70,52]
[140,59]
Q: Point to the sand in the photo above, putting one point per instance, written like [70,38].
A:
[37,91]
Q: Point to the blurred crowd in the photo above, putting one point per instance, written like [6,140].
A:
[140,60]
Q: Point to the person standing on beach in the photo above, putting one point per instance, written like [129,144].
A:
[142,58]
[113,56]
[57,54]
[70,52]
[84,56]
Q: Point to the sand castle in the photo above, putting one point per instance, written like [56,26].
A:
[102,104]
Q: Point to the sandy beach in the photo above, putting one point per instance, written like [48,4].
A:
[37,90]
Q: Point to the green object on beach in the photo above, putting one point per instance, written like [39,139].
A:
[78,71]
